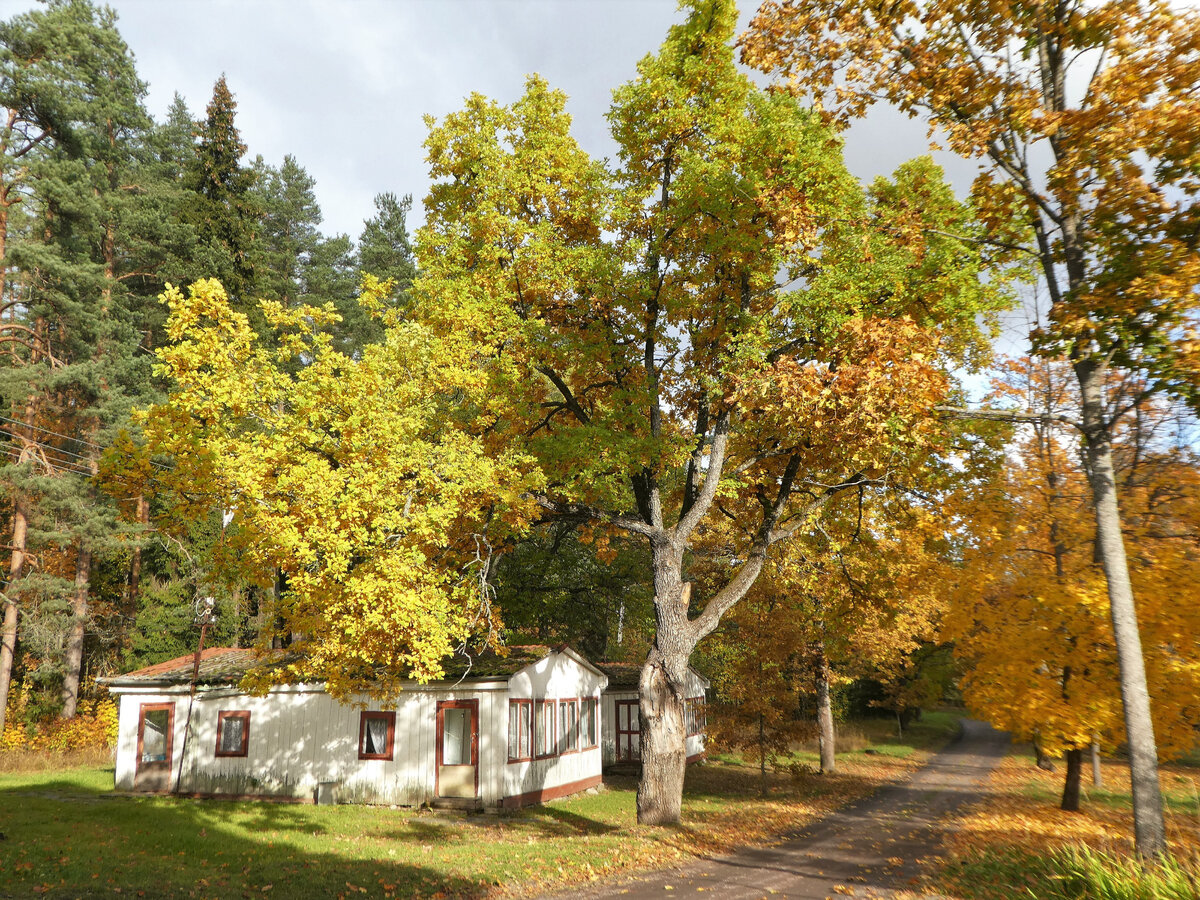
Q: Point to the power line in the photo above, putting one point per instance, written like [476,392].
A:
[15,455]
[46,446]
[65,437]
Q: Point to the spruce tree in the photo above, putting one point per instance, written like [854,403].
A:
[221,206]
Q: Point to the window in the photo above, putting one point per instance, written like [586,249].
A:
[543,728]
[154,733]
[376,735]
[695,716]
[587,723]
[520,730]
[568,726]
[233,732]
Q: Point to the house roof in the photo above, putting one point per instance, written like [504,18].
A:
[625,676]
[228,665]
[621,675]
[218,665]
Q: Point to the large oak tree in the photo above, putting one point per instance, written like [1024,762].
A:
[719,325]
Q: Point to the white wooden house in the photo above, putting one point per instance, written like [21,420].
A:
[620,731]
[510,731]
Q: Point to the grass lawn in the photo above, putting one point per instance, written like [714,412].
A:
[67,835]
[1001,847]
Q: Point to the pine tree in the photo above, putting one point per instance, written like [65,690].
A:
[222,207]
[71,369]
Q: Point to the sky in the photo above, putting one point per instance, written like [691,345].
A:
[343,85]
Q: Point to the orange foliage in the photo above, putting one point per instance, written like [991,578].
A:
[1031,617]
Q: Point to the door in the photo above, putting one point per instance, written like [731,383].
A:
[629,731]
[156,725]
[458,748]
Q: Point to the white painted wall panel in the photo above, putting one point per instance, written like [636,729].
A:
[300,736]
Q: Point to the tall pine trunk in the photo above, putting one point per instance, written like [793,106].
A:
[1070,797]
[1149,827]
[825,732]
[8,637]
[130,611]
[79,614]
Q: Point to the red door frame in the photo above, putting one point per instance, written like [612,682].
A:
[625,747]
[167,764]
[472,705]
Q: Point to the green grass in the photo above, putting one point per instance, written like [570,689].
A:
[66,834]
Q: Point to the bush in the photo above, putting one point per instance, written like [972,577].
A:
[94,726]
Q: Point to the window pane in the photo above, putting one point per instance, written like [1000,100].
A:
[154,735]
[232,728]
[514,730]
[589,722]
[456,737]
[375,736]
[526,711]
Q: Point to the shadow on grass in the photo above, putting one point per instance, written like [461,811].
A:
[65,838]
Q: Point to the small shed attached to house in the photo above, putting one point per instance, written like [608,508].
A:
[620,733]
[509,731]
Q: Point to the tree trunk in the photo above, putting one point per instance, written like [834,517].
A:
[1070,797]
[1043,761]
[661,691]
[79,614]
[1097,777]
[825,733]
[8,637]
[762,755]
[1148,825]
[663,749]
[129,613]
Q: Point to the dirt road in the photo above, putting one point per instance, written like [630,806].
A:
[873,848]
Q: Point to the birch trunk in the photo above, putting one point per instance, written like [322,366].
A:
[79,615]
[1149,827]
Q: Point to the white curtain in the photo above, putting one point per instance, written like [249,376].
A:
[377,735]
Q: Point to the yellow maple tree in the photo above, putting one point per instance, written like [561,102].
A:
[350,476]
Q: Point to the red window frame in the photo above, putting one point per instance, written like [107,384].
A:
[544,711]
[224,716]
[568,731]
[363,717]
[522,708]
[588,708]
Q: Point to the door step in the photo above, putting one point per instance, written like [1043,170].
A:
[470,804]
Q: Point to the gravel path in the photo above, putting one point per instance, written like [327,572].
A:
[873,848]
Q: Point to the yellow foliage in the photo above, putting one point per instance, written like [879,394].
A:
[358,479]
